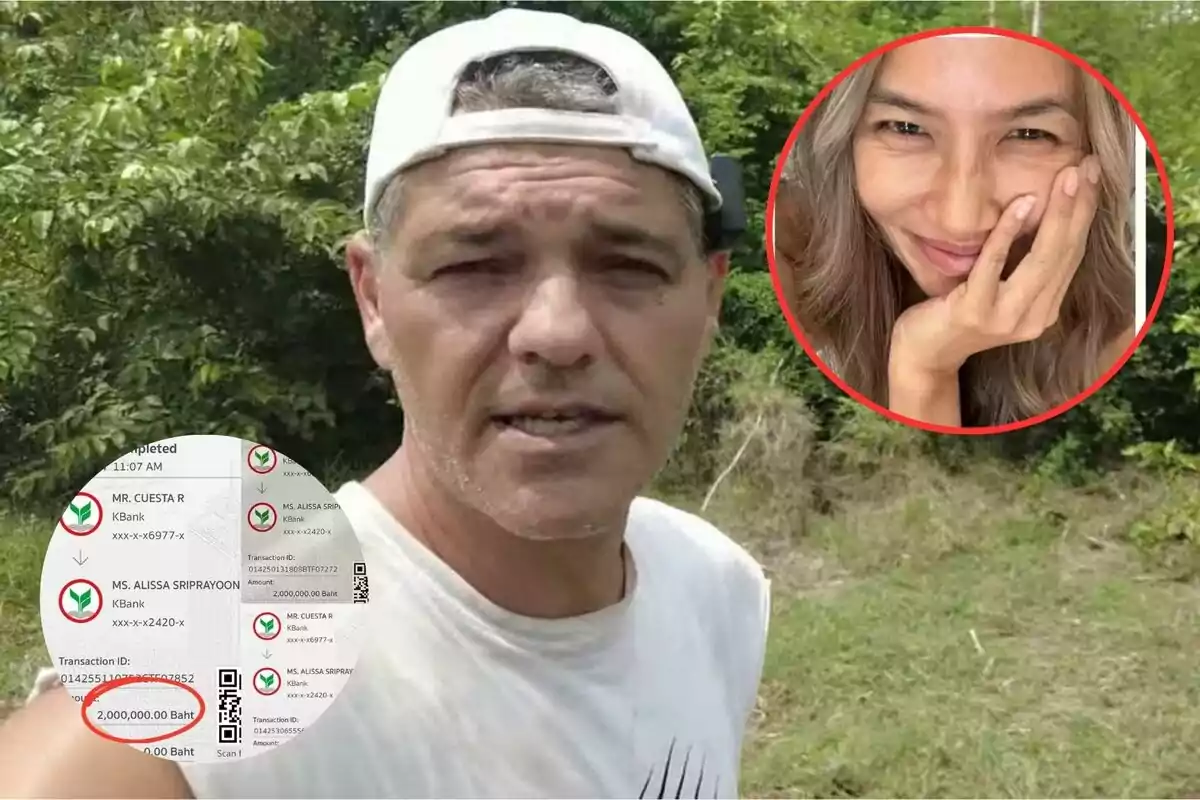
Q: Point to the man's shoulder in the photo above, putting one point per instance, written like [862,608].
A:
[691,536]
[706,571]
[362,510]
[349,493]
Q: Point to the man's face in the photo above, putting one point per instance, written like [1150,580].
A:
[955,129]
[543,310]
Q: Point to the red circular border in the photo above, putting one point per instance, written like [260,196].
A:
[279,626]
[273,511]
[99,600]
[99,515]
[278,686]
[116,683]
[1046,415]
[251,465]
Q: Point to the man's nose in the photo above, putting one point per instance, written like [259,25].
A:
[556,327]
[964,198]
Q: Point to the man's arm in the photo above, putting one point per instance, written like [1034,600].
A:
[46,751]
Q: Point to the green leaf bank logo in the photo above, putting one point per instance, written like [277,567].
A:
[83,515]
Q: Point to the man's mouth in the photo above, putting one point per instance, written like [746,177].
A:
[551,423]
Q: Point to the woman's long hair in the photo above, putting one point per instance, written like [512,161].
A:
[847,288]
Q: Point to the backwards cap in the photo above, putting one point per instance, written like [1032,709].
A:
[414,120]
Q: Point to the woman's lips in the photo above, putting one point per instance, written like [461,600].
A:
[952,260]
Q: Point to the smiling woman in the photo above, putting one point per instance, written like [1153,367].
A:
[952,230]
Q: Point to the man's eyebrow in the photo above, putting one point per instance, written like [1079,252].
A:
[471,235]
[624,234]
[606,231]
[1029,108]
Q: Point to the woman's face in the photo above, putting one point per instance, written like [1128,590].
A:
[954,129]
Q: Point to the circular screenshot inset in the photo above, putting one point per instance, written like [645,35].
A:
[204,598]
[957,230]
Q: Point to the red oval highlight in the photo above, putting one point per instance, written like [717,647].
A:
[116,683]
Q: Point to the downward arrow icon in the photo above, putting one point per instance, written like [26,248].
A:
[262,488]
[80,559]
[266,653]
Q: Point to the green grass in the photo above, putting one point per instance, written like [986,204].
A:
[22,650]
[976,635]
[1071,686]
[979,635]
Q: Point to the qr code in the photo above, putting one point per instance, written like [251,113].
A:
[229,706]
[362,593]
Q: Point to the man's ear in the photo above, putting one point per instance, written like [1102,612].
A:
[717,265]
[718,271]
[363,262]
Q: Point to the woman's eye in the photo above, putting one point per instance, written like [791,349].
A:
[901,128]
[1033,135]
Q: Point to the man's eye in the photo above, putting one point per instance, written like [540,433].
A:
[900,128]
[484,266]
[1033,135]
[636,268]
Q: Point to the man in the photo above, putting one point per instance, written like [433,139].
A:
[537,280]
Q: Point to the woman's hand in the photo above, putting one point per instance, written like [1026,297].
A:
[933,339]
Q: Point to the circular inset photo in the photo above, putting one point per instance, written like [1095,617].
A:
[957,232]
[217,598]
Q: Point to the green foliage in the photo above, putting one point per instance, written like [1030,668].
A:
[752,322]
[867,442]
[1163,458]
[177,181]
[1066,460]
[1169,536]
[750,312]
[694,461]
[169,251]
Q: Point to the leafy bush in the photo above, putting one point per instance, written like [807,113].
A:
[694,461]
[168,262]
[1169,537]
[176,181]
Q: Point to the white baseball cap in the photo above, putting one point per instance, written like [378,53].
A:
[414,123]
